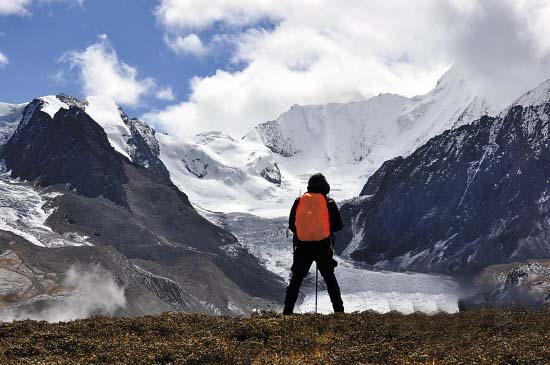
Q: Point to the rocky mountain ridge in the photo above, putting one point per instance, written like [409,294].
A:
[469,198]
[127,204]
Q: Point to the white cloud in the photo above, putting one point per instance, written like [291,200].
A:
[21,7]
[319,51]
[102,73]
[502,45]
[187,14]
[166,94]
[68,2]
[3,60]
[59,78]
[189,44]
[14,7]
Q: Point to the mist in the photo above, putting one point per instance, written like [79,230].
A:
[500,46]
[85,291]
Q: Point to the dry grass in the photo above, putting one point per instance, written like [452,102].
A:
[511,336]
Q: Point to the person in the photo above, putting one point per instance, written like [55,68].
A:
[313,219]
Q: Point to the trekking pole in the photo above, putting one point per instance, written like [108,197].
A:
[316,280]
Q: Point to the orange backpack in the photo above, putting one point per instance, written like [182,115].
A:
[312,218]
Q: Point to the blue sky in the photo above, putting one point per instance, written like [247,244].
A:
[35,43]
[192,65]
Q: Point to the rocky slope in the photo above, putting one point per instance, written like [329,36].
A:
[468,198]
[520,283]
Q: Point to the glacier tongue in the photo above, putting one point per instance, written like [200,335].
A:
[362,289]
[23,211]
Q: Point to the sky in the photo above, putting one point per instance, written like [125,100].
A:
[188,66]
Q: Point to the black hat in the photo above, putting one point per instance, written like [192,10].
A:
[318,184]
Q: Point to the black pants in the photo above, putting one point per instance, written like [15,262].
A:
[305,254]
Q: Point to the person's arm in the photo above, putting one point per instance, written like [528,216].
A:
[336,223]
[292,216]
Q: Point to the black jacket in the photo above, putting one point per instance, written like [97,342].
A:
[336,223]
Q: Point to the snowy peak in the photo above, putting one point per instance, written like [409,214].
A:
[131,138]
[301,129]
[384,121]
[349,141]
[102,110]
[51,105]
[538,96]
[452,103]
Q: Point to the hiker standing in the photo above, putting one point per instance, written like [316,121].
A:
[313,219]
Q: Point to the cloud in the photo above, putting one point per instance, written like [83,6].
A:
[316,52]
[102,73]
[3,60]
[189,14]
[14,7]
[166,94]
[289,52]
[21,7]
[503,46]
[191,44]
[85,291]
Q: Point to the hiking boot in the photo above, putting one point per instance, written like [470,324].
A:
[288,311]
[339,308]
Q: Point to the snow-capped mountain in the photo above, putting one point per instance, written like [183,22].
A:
[223,174]
[349,141]
[471,197]
[265,170]
[218,172]
[99,194]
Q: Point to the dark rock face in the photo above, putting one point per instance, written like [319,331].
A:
[272,174]
[72,101]
[70,149]
[145,147]
[197,167]
[524,284]
[272,137]
[376,180]
[471,197]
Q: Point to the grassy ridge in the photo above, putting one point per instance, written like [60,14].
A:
[512,336]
